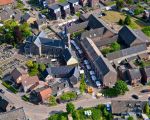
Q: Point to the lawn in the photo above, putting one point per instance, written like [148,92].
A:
[61,1]
[112,17]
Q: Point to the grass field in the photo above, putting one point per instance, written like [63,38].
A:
[112,17]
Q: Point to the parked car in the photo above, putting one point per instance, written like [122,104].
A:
[135,96]
[2,91]
[145,90]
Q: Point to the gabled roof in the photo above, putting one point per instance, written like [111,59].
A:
[73,1]
[54,7]
[31,80]
[147,71]
[15,114]
[125,106]
[63,71]
[6,2]
[134,74]
[126,52]
[26,16]
[128,36]
[17,72]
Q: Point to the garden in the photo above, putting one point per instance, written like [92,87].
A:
[92,113]
[68,96]
[141,63]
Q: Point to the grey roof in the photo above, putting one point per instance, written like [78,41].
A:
[126,52]
[128,36]
[64,4]
[125,106]
[66,54]
[62,71]
[102,64]
[16,114]
[147,71]
[73,1]
[53,7]
[26,16]
[58,85]
[134,74]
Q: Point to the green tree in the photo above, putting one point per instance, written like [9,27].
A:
[42,67]
[29,63]
[105,112]
[75,115]
[119,4]
[62,118]
[121,87]
[52,100]
[129,2]
[35,65]
[146,108]
[130,118]
[146,30]
[115,46]
[70,108]
[25,29]
[53,117]
[68,96]
[127,20]
[82,84]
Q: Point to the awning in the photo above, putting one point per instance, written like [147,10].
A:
[92,73]
[93,78]
[88,67]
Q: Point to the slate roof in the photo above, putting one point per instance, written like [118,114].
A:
[128,36]
[73,1]
[26,16]
[53,7]
[134,74]
[66,54]
[4,101]
[58,85]
[16,114]
[146,71]
[64,4]
[96,56]
[64,71]
[125,106]
[126,52]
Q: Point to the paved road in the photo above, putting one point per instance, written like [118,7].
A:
[41,112]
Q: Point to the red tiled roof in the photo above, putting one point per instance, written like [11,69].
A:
[45,94]
[5,2]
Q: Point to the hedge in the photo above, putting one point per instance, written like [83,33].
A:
[9,87]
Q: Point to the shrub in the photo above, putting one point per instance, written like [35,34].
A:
[52,101]
[9,87]
[70,108]
[146,30]
[68,96]
[121,22]
[82,84]
[127,20]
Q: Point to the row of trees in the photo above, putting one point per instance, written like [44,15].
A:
[12,32]
[82,84]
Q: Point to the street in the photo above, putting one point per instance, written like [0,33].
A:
[41,112]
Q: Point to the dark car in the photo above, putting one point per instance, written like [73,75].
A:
[135,96]
[145,90]
[2,91]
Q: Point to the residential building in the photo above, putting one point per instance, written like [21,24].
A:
[127,53]
[15,114]
[145,75]
[68,72]
[19,74]
[40,23]
[102,67]
[130,37]
[40,94]
[6,2]
[134,76]
[54,11]
[65,9]
[5,104]
[74,6]
[123,107]
[59,85]
[29,18]
[93,3]
[30,83]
